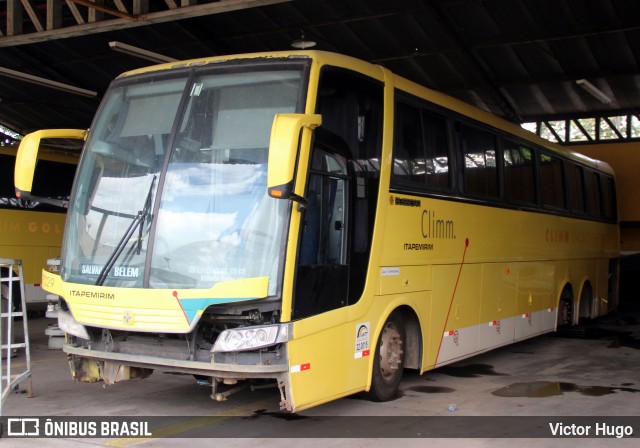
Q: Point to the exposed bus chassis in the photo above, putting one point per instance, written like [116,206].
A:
[118,356]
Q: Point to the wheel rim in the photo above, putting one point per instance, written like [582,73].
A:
[390,351]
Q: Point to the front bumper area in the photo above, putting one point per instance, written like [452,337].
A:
[210,369]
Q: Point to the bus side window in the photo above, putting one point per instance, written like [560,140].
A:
[322,240]
[322,274]
[552,181]
[608,189]
[408,152]
[421,149]
[480,169]
[594,200]
[7,189]
[311,227]
[576,188]
[519,172]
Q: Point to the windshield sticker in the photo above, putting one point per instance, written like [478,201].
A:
[216,274]
[362,340]
[117,271]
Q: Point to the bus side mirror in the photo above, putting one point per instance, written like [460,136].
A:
[283,152]
[28,156]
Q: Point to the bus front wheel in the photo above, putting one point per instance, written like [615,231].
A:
[388,363]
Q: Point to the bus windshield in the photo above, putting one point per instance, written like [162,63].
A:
[171,191]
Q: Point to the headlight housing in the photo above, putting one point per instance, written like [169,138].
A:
[251,338]
[68,324]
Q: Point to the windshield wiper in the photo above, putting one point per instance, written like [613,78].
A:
[137,221]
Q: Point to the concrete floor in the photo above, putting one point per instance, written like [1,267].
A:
[594,371]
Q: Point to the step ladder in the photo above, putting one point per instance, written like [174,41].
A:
[12,281]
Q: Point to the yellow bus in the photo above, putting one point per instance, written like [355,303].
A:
[31,230]
[314,220]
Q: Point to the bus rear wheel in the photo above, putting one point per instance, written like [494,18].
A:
[388,363]
[565,314]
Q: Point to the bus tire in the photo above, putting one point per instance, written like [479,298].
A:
[388,362]
[565,314]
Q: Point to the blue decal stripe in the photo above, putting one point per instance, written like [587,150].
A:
[192,306]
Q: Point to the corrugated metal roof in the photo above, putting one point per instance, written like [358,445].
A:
[516,58]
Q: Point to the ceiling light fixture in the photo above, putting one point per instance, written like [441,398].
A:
[139,52]
[46,82]
[302,43]
[594,91]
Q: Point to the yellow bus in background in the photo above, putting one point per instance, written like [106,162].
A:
[316,221]
[30,230]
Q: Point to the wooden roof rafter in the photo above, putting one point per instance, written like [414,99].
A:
[96,16]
